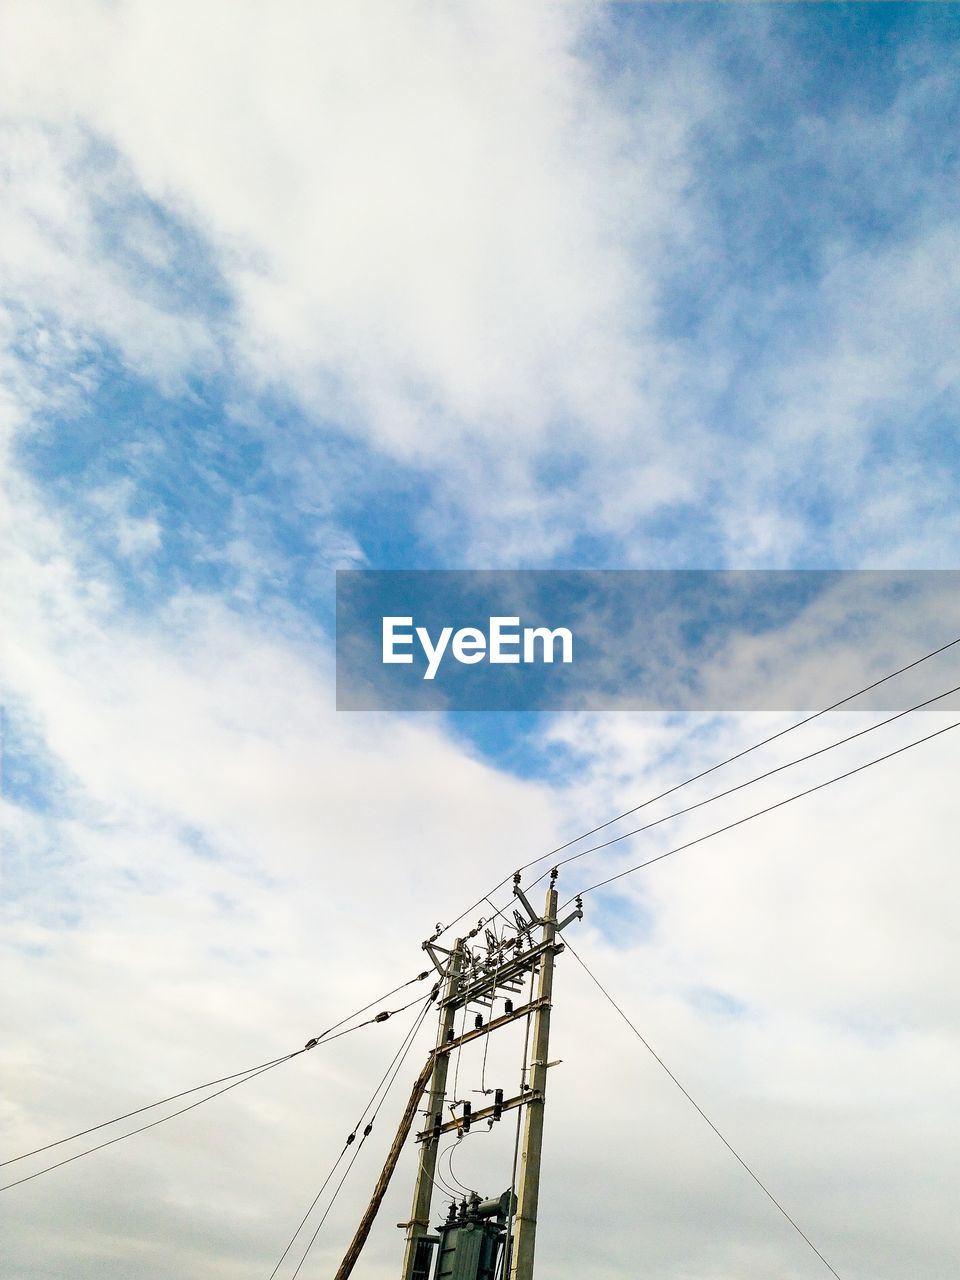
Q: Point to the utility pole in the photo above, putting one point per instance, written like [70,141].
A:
[528,1195]
[472,976]
[415,1257]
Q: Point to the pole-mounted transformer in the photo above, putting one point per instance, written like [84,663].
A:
[470,1244]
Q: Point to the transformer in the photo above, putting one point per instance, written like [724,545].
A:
[470,1243]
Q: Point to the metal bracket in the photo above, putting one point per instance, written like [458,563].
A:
[486,1113]
[574,915]
[495,1024]
[518,892]
[470,990]
[432,951]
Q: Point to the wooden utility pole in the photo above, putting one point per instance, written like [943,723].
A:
[366,1222]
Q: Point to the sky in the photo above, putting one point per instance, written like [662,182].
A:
[295,288]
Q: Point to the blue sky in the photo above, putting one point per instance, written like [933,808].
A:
[833,157]
[832,163]
[545,286]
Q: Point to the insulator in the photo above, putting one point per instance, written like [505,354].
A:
[508,1006]
[478,1021]
[467,1116]
[497,1103]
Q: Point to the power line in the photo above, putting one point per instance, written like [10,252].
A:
[351,1137]
[646,1044]
[420,977]
[153,1124]
[249,1074]
[149,1107]
[719,795]
[438,1180]
[756,746]
[340,1028]
[850,697]
[769,809]
[395,1067]
[333,1198]
[323,1186]
[740,786]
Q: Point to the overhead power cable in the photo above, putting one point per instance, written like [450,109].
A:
[351,1138]
[420,977]
[148,1107]
[720,764]
[700,1111]
[323,1186]
[740,786]
[383,1085]
[238,1078]
[153,1123]
[758,813]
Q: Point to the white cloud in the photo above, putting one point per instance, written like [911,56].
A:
[444,233]
[447,232]
[201,908]
[437,225]
[197,901]
[71,294]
